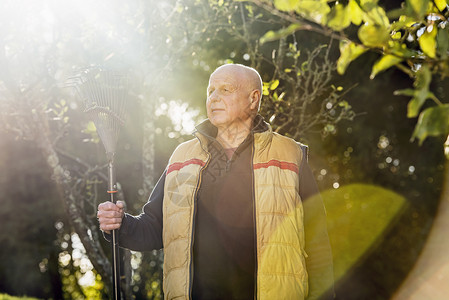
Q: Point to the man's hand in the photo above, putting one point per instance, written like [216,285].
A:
[110,215]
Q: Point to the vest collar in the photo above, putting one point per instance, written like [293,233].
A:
[207,129]
[207,132]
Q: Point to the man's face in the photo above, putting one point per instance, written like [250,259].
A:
[228,97]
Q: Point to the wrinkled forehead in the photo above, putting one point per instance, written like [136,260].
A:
[227,74]
[237,75]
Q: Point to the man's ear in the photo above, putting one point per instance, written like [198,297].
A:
[255,98]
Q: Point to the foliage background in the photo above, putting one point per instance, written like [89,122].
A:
[53,165]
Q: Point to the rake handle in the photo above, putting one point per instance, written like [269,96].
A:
[112,191]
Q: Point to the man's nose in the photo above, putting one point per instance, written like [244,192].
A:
[213,97]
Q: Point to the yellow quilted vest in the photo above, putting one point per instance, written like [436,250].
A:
[281,271]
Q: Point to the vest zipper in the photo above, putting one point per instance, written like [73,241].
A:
[197,188]
[228,165]
[256,265]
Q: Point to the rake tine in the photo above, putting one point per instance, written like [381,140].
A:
[104,95]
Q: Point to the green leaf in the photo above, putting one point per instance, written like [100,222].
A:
[374,14]
[315,10]
[356,12]
[399,49]
[329,128]
[443,42]
[344,104]
[348,52]
[250,10]
[433,121]
[274,84]
[339,17]
[276,35]
[423,78]
[420,93]
[384,63]
[266,88]
[404,92]
[395,13]
[90,127]
[418,7]
[441,4]
[427,41]
[286,5]
[402,22]
[414,105]
[373,35]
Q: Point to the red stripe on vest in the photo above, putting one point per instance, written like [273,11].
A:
[178,165]
[280,164]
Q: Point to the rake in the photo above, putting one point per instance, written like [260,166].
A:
[105,94]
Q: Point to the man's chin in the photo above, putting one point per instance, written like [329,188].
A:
[215,122]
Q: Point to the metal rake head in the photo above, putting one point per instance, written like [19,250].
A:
[104,93]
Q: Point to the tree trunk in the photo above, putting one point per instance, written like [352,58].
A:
[88,234]
[55,278]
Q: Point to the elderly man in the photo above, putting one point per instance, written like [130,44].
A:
[230,211]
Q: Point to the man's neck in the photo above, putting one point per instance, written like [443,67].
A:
[233,136]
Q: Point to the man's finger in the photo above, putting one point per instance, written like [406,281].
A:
[109,214]
[107,206]
[110,220]
[108,227]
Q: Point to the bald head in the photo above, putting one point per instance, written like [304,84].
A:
[249,76]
